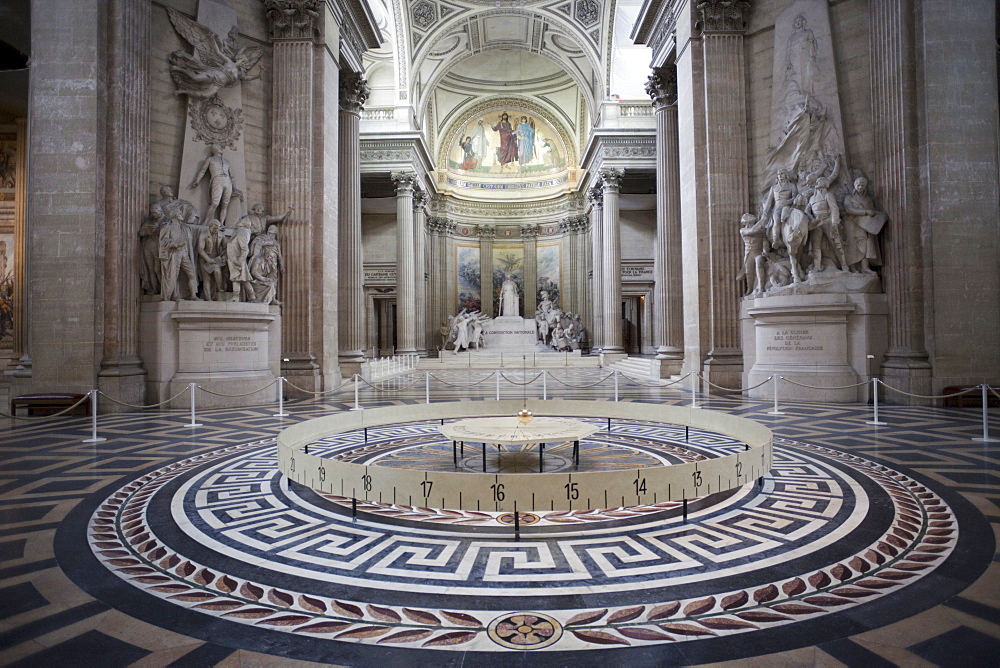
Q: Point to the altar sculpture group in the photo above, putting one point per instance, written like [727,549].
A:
[804,227]
[173,241]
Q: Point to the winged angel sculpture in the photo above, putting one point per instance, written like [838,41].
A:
[214,65]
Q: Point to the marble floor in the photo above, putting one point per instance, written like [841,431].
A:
[174,545]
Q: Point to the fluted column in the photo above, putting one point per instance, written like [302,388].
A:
[668,303]
[292,24]
[596,199]
[127,180]
[420,200]
[487,233]
[406,294]
[351,296]
[894,137]
[611,263]
[529,233]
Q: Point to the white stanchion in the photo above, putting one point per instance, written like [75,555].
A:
[774,380]
[193,423]
[94,438]
[616,384]
[357,383]
[874,419]
[545,385]
[986,420]
[427,387]
[281,398]
[694,389]
[498,382]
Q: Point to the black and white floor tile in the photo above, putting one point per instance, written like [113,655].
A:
[172,545]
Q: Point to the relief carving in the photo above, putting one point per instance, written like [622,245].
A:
[215,63]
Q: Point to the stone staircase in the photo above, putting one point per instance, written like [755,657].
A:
[640,368]
[485,359]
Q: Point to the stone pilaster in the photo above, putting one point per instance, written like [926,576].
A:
[487,233]
[122,375]
[351,296]
[420,200]
[293,26]
[712,145]
[406,294]
[611,263]
[897,178]
[529,235]
[440,305]
[668,303]
[596,199]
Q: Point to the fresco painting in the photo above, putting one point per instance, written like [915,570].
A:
[508,142]
[469,278]
[549,265]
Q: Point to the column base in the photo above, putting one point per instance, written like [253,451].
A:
[909,373]
[123,380]
[724,369]
[671,360]
[301,370]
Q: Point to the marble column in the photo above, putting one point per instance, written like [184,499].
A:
[529,235]
[596,199]
[122,375]
[611,263]
[487,233]
[712,145]
[293,28]
[351,296]
[420,200]
[668,303]
[897,178]
[406,294]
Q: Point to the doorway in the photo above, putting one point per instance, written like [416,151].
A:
[632,306]
[385,326]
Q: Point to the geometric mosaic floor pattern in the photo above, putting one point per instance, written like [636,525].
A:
[171,545]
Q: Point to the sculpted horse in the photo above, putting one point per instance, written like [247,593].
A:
[795,228]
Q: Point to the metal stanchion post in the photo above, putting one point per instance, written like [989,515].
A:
[775,379]
[94,438]
[545,385]
[427,387]
[874,419]
[357,383]
[281,398]
[986,420]
[193,423]
[497,372]
[694,389]
[616,384]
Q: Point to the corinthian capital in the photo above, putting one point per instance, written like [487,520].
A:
[420,200]
[723,16]
[405,182]
[354,91]
[292,19]
[661,86]
[612,179]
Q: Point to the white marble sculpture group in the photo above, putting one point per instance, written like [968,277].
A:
[558,329]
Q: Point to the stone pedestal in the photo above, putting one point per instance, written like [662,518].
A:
[821,340]
[511,333]
[225,347]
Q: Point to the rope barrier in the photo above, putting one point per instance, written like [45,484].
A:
[993,391]
[314,393]
[734,389]
[516,383]
[122,403]
[815,387]
[45,417]
[478,382]
[637,381]
[925,396]
[395,389]
[245,394]
[583,387]
[679,380]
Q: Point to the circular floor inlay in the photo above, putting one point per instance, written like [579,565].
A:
[223,535]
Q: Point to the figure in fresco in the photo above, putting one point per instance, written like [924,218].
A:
[550,153]
[525,140]
[469,160]
[507,151]
[480,142]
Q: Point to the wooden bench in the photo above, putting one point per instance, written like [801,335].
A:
[974,398]
[48,403]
